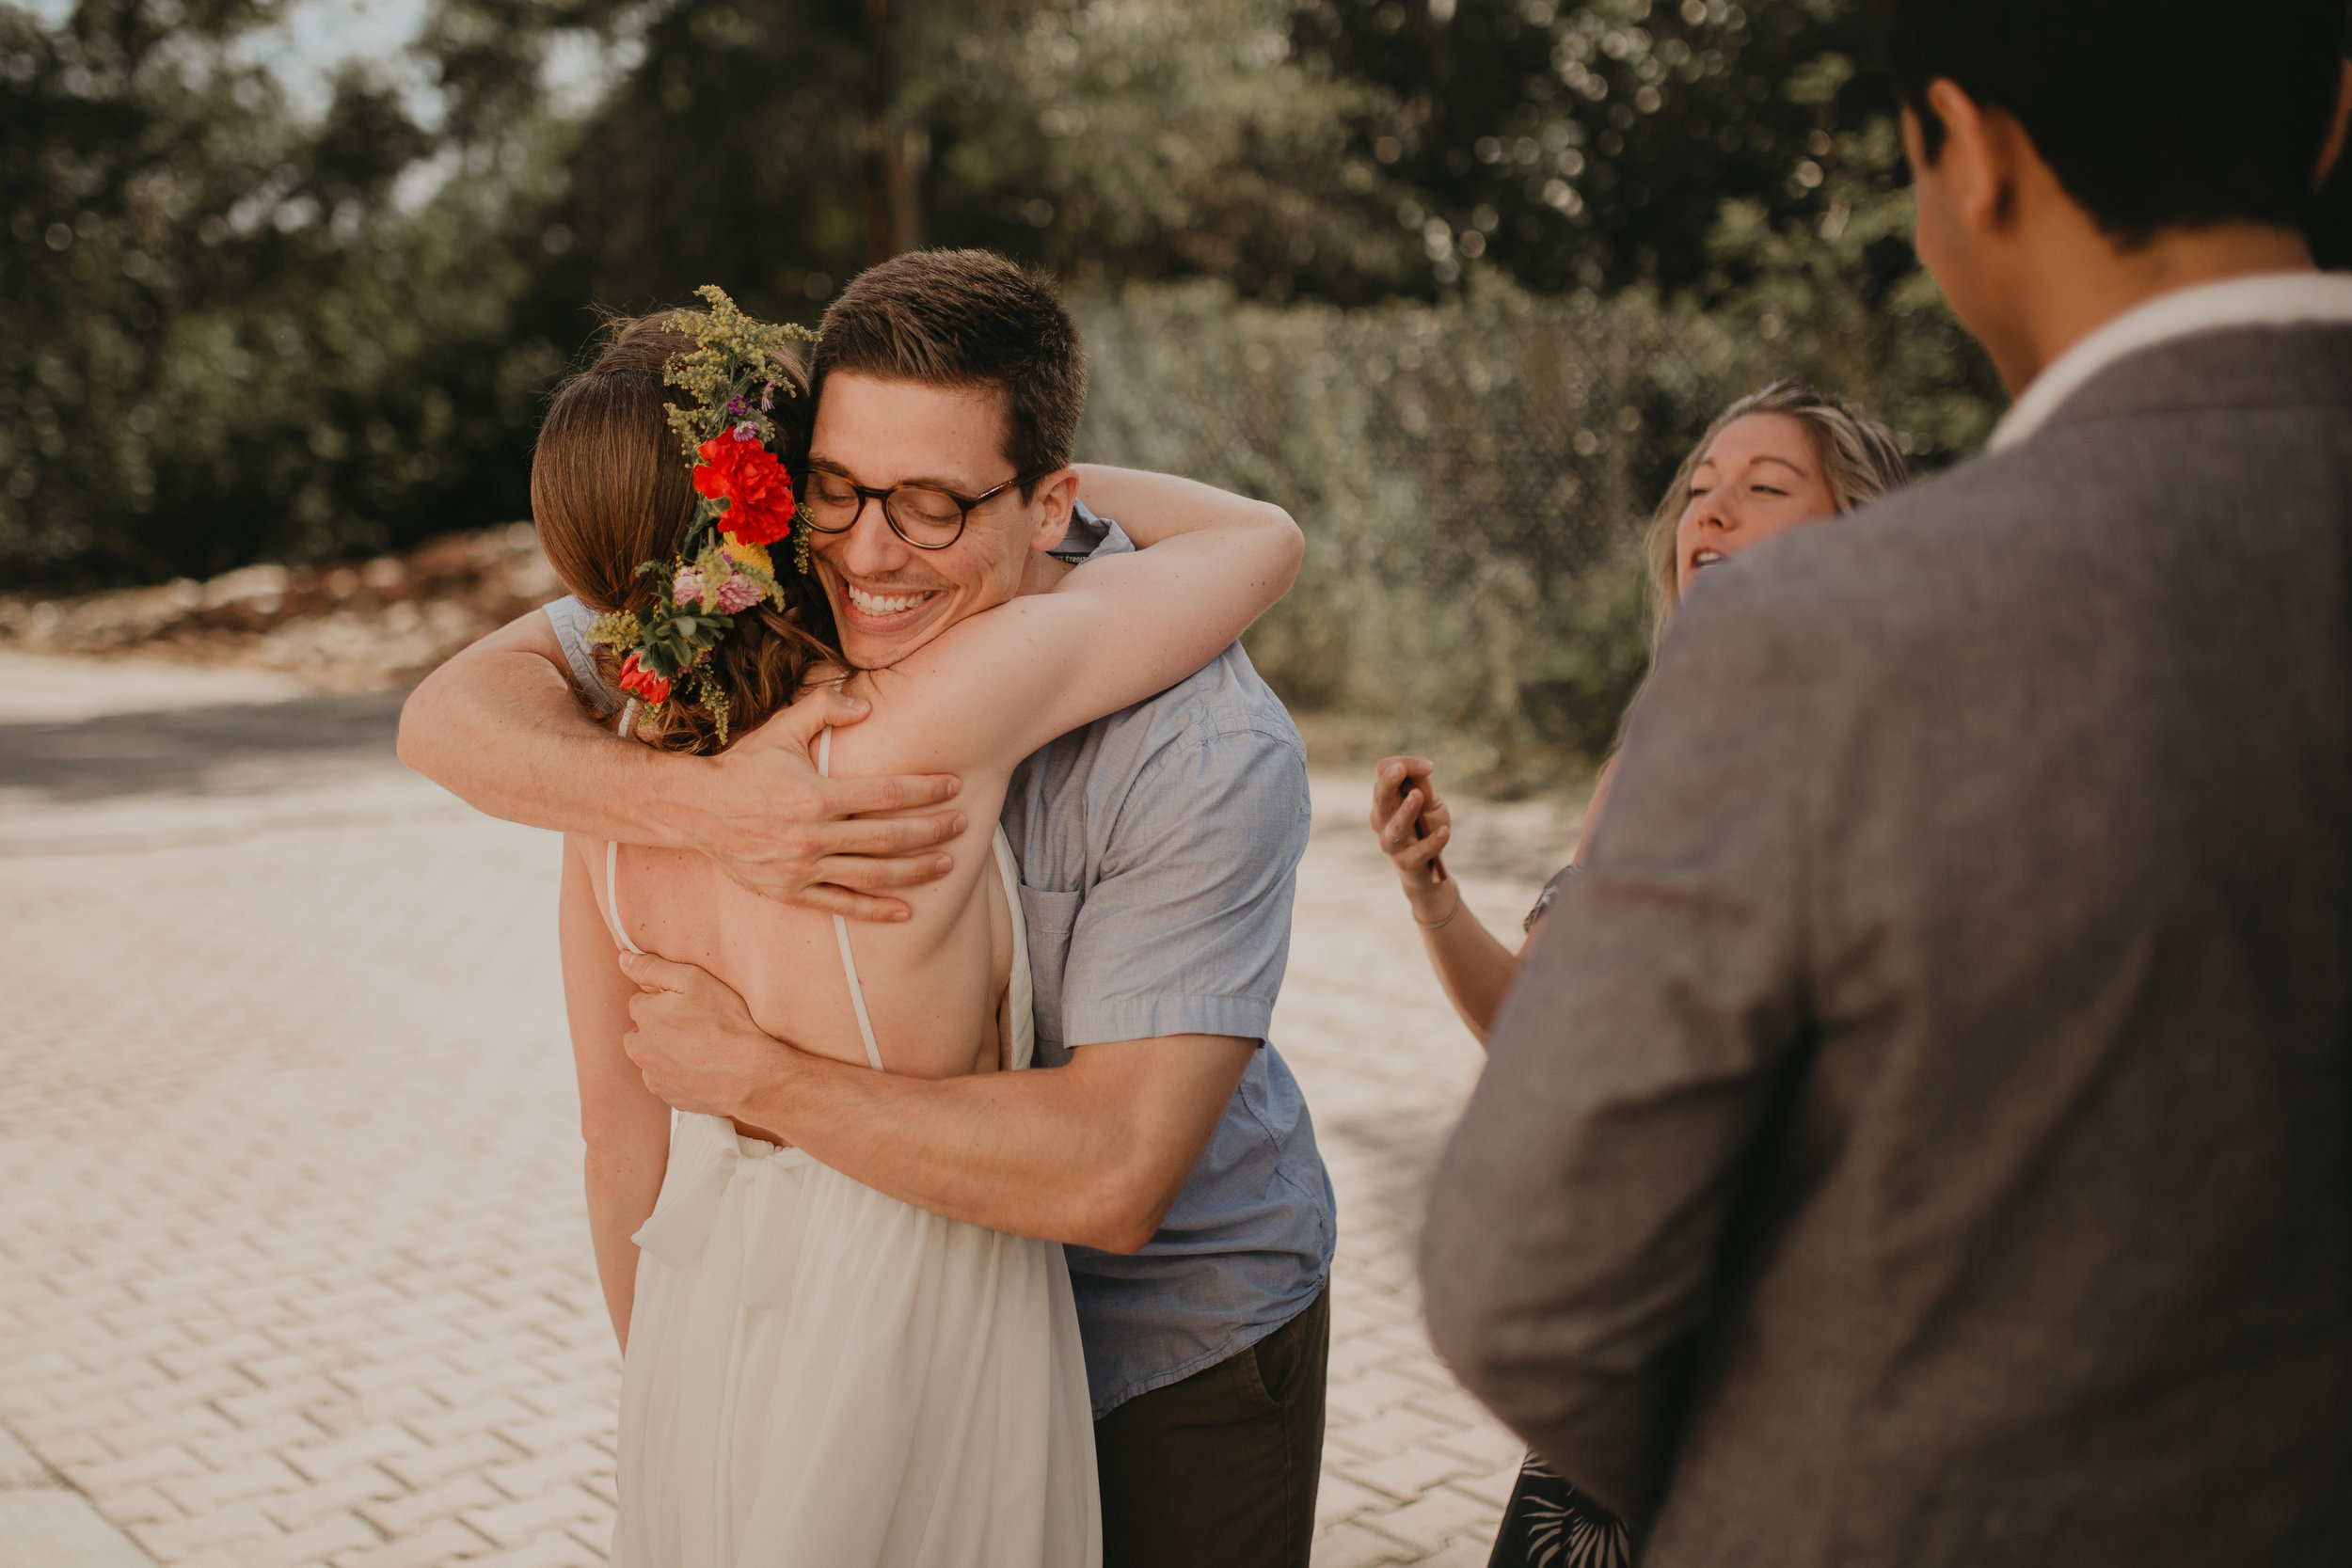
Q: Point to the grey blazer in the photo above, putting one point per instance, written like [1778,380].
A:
[1924,1135]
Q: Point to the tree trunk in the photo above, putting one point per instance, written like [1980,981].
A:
[890,185]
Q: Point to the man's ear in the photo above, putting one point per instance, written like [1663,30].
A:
[1058,492]
[1916,143]
[1981,158]
[2334,149]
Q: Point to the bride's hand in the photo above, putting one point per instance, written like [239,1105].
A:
[784,830]
[1413,826]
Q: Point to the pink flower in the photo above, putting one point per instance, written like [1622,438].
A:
[686,587]
[737,593]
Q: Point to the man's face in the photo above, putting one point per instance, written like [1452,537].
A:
[889,597]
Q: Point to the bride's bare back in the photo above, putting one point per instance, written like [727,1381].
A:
[933,985]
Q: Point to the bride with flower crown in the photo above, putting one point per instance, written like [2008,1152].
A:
[816,1372]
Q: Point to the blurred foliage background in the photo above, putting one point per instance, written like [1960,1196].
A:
[1456,281]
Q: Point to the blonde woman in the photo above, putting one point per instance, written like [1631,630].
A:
[1775,460]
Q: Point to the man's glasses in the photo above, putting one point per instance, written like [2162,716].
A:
[925,515]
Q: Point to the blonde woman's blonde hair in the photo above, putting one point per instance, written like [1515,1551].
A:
[1860,459]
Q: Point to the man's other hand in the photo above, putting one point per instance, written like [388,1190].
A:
[777,826]
[694,1038]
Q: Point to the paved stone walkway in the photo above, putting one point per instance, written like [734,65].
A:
[293,1268]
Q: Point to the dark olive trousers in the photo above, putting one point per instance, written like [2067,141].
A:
[1219,1471]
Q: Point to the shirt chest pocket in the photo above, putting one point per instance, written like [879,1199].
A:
[1050,917]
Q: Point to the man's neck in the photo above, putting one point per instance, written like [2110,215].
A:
[1043,572]
[2085,282]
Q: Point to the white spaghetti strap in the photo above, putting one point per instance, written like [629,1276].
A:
[612,859]
[1020,994]
[612,895]
[857,994]
[841,931]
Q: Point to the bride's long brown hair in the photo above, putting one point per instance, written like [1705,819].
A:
[610,490]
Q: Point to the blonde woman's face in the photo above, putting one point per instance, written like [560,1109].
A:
[1760,479]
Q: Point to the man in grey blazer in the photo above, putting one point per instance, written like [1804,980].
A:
[1924,1134]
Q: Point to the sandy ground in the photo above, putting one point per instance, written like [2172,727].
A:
[292,1263]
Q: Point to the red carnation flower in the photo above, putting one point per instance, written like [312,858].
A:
[757,490]
[636,677]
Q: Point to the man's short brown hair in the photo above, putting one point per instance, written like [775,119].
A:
[967,317]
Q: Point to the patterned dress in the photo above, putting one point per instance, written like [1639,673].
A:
[1548,1523]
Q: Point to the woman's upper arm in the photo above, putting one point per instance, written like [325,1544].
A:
[1593,805]
[1115,630]
[614,1104]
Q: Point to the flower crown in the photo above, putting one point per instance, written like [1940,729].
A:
[723,567]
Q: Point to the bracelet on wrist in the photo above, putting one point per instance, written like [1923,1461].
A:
[1448,918]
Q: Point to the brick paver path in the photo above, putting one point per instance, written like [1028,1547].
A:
[293,1267]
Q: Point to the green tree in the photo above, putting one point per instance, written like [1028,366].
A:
[229,330]
[1119,142]
[221,336]
[784,144]
[733,149]
[1593,145]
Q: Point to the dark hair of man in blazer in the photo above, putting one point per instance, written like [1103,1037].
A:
[2155,115]
[2110,147]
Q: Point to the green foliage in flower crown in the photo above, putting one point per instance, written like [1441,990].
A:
[732,375]
[735,364]
[671,642]
[668,637]
[617,630]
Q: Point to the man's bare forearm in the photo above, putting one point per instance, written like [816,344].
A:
[500,727]
[1089,1153]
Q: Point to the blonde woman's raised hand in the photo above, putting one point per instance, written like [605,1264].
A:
[1414,825]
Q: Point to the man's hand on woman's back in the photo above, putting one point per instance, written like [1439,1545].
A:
[777,826]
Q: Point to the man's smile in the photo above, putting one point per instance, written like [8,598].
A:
[881,606]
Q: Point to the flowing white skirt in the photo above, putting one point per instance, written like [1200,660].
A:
[822,1376]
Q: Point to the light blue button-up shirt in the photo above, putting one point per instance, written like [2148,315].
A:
[1159,853]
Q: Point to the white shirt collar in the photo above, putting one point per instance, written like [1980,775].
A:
[2270,299]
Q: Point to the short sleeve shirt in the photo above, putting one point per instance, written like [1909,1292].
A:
[1159,853]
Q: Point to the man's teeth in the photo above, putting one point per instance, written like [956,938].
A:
[876,604]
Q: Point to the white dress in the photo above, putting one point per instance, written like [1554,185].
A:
[822,1376]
